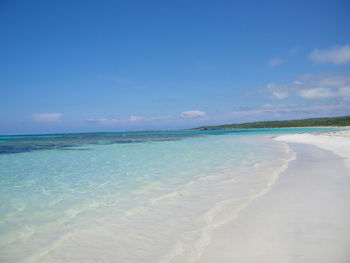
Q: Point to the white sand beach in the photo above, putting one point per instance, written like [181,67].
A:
[337,142]
[304,218]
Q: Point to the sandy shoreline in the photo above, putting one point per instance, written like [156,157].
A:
[304,218]
[337,142]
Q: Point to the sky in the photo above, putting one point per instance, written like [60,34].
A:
[89,66]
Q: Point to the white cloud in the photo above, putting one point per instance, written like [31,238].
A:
[106,121]
[336,55]
[344,92]
[293,111]
[275,62]
[314,86]
[193,114]
[280,94]
[113,121]
[136,118]
[278,91]
[317,93]
[46,117]
[329,80]
[133,119]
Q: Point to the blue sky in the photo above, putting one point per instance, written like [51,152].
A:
[78,66]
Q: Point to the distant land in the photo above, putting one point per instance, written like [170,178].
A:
[313,122]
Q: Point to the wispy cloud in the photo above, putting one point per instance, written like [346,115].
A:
[344,92]
[46,117]
[337,55]
[317,93]
[269,111]
[278,91]
[294,50]
[133,119]
[313,86]
[196,114]
[186,116]
[275,62]
[136,118]
[105,121]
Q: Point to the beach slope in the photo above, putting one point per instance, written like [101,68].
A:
[306,215]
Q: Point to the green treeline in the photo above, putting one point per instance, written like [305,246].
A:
[334,121]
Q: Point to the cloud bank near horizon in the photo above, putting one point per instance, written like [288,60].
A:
[313,86]
[291,111]
[46,117]
[196,114]
[191,115]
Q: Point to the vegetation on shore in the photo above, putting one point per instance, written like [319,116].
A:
[313,122]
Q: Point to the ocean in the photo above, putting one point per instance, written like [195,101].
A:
[130,197]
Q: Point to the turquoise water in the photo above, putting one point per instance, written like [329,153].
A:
[129,197]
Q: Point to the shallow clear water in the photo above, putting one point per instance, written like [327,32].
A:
[129,197]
